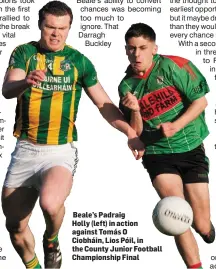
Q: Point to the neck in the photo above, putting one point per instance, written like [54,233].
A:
[147,67]
[44,47]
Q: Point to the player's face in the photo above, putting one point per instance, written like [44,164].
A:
[140,52]
[54,31]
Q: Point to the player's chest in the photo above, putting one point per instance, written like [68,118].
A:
[156,95]
[59,69]
[61,74]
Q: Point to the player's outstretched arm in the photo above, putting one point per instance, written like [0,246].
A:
[193,111]
[114,116]
[16,81]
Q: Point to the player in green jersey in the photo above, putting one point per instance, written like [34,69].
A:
[47,77]
[163,98]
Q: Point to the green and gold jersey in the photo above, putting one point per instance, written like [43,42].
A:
[164,93]
[46,113]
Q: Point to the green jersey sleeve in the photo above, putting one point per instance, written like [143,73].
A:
[189,80]
[89,73]
[18,59]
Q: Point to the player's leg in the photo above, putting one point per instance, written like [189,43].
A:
[57,183]
[17,206]
[197,192]
[171,185]
[198,196]
[57,172]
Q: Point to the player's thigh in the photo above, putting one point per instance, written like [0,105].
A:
[197,195]
[168,185]
[17,205]
[56,186]
[164,174]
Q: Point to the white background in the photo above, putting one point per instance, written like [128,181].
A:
[108,178]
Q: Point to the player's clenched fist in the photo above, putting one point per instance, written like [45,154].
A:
[35,77]
[169,129]
[130,101]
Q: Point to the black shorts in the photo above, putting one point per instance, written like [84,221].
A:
[191,166]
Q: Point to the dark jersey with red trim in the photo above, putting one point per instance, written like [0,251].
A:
[164,94]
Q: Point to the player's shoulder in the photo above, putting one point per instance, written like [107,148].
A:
[26,49]
[82,63]
[127,76]
[73,51]
[172,61]
[29,45]
[128,82]
[128,73]
[77,56]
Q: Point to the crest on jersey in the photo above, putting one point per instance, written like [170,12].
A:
[65,65]
[160,79]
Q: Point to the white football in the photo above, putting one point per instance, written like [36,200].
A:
[172,215]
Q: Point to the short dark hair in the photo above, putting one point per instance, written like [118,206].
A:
[140,29]
[56,8]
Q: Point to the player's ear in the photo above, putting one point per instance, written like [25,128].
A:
[126,49]
[39,25]
[155,49]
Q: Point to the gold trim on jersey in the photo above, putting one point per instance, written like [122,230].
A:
[35,102]
[34,113]
[55,118]
[27,65]
[57,66]
[35,57]
[71,123]
[41,61]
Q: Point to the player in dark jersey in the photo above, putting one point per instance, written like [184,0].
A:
[163,98]
[47,77]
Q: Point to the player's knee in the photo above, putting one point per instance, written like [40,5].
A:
[15,227]
[49,207]
[202,226]
[166,190]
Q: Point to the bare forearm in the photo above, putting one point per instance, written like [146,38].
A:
[12,89]
[194,110]
[136,122]
[114,117]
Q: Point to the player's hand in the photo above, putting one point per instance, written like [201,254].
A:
[168,129]
[136,145]
[130,101]
[35,77]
